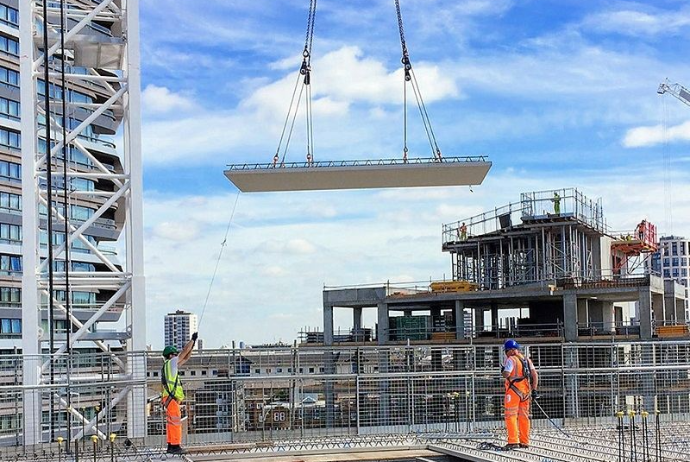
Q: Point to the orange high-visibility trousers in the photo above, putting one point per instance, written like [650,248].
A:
[517,418]
[174,424]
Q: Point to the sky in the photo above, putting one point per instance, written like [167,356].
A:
[557,94]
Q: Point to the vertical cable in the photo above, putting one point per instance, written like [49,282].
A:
[66,214]
[49,215]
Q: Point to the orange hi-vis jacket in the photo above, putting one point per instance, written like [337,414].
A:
[519,378]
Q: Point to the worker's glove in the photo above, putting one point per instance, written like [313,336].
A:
[503,369]
[535,395]
[195,336]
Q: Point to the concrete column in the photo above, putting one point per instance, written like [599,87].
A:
[582,312]
[658,308]
[459,315]
[327,324]
[570,317]
[357,332]
[478,320]
[644,309]
[382,332]
[608,316]
[356,318]
[669,312]
[680,311]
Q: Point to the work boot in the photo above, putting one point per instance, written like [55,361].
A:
[510,446]
[176,449]
[524,445]
[169,447]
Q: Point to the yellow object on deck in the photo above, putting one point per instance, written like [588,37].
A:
[680,330]
[453,286]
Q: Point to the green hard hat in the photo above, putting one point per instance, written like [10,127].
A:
[169,350]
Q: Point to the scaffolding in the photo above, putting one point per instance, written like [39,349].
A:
[554,235]
[93,47]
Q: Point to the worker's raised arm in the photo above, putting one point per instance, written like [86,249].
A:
[187,350]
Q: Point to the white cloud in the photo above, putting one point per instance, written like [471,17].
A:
[176,231]
[638,22]
[650,136]
[160,100]
[346,77]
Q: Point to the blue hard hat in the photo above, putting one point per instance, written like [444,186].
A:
[511,345]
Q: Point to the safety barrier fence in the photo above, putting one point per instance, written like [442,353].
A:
[269,394]
[254,395]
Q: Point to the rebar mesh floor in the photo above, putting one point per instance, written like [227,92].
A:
[597,444]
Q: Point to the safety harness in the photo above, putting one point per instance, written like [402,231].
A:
[164,381]
[526,375]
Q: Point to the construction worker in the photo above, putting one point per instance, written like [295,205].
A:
[521,381]
[463,232]
[173,394]
[556,203]
[641,230]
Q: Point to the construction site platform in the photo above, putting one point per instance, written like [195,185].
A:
[358,174]
[602,443]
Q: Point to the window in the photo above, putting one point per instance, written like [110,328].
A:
[10,201]
[10,264]
[10,296]
[9,77]
[10,326]
[257,371]
[9,45]
[11,140]
[77,212]
[674,261]
[10,234]
[311,370]
[684,261]
[667,262]
[667,273]
[675,272]
[9,15]
[9,109]
[674,248]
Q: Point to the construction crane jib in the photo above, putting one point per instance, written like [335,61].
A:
[675,89]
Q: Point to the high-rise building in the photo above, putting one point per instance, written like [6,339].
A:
[672,261]
[179,327]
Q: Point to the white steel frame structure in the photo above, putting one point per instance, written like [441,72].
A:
[113,64]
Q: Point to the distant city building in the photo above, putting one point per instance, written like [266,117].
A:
[179,327]
[672,261]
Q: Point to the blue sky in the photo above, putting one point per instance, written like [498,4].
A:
[556,93]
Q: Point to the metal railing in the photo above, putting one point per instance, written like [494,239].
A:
[265,395]
[354,163]
[556,204]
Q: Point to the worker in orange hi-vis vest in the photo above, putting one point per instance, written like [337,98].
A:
[522,381]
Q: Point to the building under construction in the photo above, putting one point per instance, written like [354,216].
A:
[544,269]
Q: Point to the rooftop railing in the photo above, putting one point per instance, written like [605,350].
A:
[554,204]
